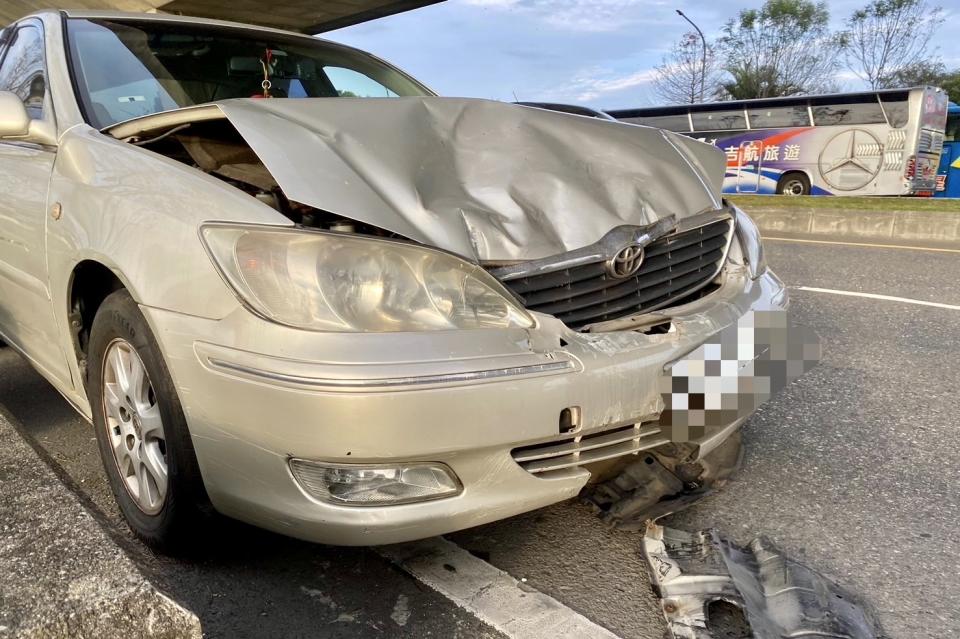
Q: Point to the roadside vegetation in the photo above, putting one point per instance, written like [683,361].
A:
[787,47]
[747,202]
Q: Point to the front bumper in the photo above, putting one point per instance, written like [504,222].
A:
[256,394]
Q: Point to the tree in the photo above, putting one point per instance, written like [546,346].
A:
[921,73]
[928,72]
[951,84]
[783,48]
[889,36]
[682,77]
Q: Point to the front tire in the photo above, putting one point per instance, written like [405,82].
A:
[141,431]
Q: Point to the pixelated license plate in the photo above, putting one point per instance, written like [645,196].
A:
[734,372]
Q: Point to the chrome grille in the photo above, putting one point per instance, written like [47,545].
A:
[559,456]
[674,267]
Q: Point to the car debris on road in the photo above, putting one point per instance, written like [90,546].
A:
[711,588]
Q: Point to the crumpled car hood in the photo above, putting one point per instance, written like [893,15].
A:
[488,180]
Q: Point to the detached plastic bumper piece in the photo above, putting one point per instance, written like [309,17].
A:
[712,588]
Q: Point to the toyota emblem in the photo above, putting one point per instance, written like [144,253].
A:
[626,262]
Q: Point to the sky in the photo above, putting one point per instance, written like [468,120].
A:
[600,53]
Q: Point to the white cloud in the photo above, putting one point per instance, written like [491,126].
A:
[573,15]
[595,83]
[846,75]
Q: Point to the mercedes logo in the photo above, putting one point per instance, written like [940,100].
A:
[626,262]
[851,159]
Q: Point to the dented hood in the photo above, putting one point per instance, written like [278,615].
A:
[488,180]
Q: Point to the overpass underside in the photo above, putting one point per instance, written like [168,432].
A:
[309,16]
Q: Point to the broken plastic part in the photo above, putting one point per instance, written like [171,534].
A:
[701,577]
[660,482]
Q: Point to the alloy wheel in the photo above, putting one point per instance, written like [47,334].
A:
[134,426]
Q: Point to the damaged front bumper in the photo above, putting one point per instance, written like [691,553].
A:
[257,395]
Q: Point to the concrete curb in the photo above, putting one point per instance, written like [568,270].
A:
[60,574]
[941,228]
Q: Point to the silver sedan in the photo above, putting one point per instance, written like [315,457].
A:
[289,284]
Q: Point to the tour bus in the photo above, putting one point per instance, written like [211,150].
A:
[884,142]
[948,177]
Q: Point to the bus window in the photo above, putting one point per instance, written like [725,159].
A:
[778,117]
[814,134]
[676,122]
[719,121]
[897,109]
[859,110]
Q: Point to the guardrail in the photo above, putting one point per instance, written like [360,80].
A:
[886,227]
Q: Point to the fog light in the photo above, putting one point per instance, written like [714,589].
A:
[375,485]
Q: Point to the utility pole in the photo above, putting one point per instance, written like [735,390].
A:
[703,61]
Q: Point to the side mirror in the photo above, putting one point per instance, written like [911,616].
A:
[15,122]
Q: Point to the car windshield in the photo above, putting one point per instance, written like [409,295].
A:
[127,69]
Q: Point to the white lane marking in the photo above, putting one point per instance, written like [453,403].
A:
[488,593]
[889,246]
[874,296]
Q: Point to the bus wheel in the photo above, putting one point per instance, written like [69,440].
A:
[794,183]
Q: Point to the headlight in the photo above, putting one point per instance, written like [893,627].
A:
[375,485]
[335,282]
[750,243]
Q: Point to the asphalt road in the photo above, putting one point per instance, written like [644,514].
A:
[852,469]
[247,583]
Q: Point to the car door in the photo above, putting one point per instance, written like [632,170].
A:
[26,312]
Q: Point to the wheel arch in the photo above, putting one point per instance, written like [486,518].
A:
[92,279]
[797,171]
